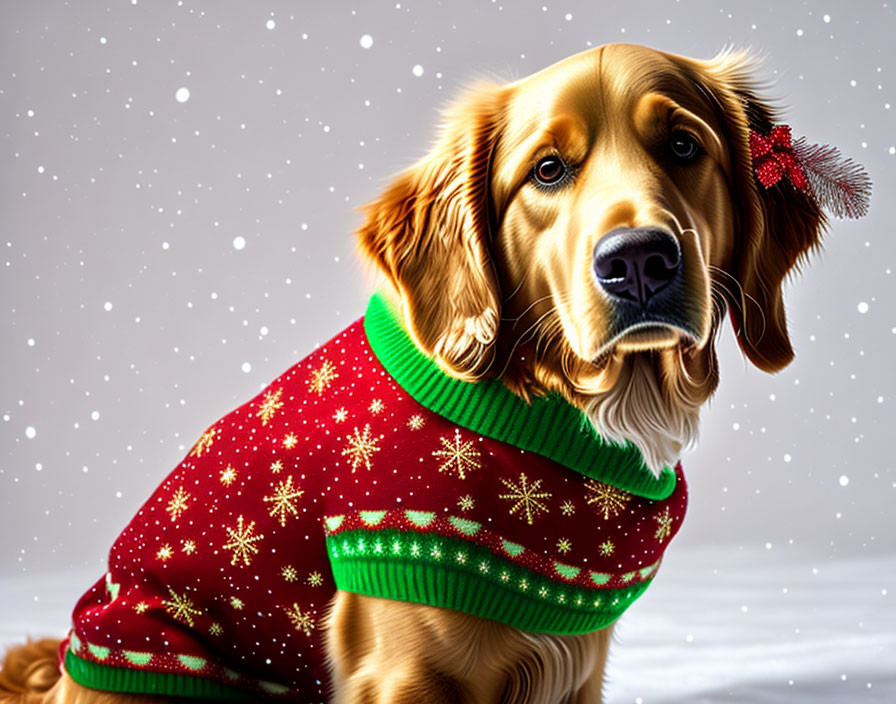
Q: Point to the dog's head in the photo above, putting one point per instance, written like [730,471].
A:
[583,230]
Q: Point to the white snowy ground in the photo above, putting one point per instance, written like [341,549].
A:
[716,626]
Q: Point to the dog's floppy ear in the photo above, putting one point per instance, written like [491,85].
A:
[778,225]
[429,232]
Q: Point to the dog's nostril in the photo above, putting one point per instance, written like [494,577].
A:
[660,267]
[612,269]
[636,263]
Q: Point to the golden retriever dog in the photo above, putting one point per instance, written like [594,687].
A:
[582,232]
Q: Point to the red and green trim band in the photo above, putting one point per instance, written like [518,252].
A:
[438,570]
[110,678]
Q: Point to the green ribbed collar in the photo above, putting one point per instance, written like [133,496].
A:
[548,426]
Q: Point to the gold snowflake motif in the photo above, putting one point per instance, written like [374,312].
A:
[204,442]
[664,529]
[165,552]
[242,542]
[228,475]
[283,501]
[361,447]
[315,579]
[181,607]
[376,406]
[340,415]
[189,547]
[567,508]
[276,466]
[466,503]
[608,500]
[178,503]
[416,421]
[303,622]
[140,607]
[563,546]
[290,441]
[322,377]
[459,457]
[289,573]
[215,629]
[269,407]
[526,496]
[237,603]
[607,548]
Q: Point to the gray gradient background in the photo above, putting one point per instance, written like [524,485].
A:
[130,321]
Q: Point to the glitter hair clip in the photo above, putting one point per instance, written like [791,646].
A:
[836,183]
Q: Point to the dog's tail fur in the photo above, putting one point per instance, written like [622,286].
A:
[29,671]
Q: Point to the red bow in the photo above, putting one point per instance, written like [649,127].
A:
[774,157]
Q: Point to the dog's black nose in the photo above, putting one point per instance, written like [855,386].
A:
[636,263]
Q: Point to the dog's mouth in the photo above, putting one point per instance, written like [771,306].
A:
[648,334]
[667,321]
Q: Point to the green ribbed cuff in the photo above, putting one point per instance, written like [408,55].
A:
[436,570]
[120,679]
[549,426]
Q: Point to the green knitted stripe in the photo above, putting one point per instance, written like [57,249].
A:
[548,426]
[120,679]
[451,573]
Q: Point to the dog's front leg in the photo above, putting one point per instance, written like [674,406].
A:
[389,651]
[597,647]
[383,651]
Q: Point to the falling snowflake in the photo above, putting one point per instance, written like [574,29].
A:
[361,447]
[458,456]
[178,503]
[204,442]
[165,552]
[376,406]
[242,542]
[289,573]
[563,546]
[340,415]
[567,508]
[322,377]
[416,421]
[466,503]
[283,501]
[215,629]
[237,603]
[526,496]
[269,407]
[189,547]
[303,622]
[608,500]
[181,607]
[290,441]
[315,579]
[276,466]
[607,548]
[228,475]
[140,607]
[664,529]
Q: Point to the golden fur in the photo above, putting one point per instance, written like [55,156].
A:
[495,278]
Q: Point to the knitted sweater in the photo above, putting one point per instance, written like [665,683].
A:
[365,468]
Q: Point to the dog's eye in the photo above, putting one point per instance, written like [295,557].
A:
[684,146]
[549,171]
